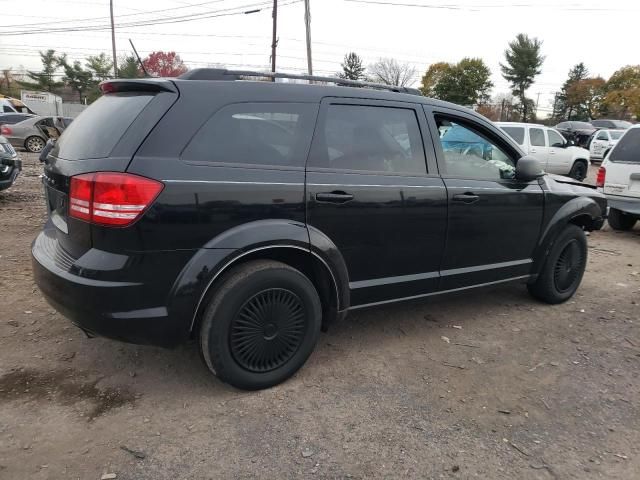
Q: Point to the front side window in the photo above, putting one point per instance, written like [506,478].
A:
[517,133]
[615,134]
[367,138]
[469,153]
[602,136]
[555,139]
[536,137]
[274,134]
[627,150]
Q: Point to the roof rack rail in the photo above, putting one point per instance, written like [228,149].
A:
[224,74]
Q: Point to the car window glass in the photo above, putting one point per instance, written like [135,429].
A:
[536,137]
[616,134]
[469,153]
[602,136]
[626,150]
[380,139]
[259,134]
[563,125]
[517,133]
[555,139]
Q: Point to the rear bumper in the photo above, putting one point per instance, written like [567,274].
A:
[129,311]
[625,204]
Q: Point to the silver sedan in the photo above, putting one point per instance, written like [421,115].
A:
[33,133]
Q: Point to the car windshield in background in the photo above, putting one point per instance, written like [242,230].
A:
[615,134]
[621,124]
[581,126]
[99,128]
[627,150]
[517,133]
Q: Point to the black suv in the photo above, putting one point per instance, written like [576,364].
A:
[248,215]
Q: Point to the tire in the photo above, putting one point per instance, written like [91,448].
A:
[34,144]
[242,340]
[620,221]
[563,269]
[579,170]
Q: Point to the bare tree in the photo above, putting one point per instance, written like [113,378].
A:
[390,72]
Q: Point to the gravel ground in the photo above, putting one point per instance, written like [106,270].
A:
[489,384]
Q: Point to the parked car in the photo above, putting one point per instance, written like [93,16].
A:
[173,214]
[10,164]
[577,132]
[612,124]
[603,141]
[11,118]
[33,133]
[554,152]
[13,105]
[619,179]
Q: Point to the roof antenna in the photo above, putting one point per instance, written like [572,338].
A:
[146,74]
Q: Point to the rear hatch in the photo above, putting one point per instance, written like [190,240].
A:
[103,138]
[623,168]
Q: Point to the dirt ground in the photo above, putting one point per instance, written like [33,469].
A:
[490,384]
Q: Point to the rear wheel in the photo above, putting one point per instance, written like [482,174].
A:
[620,220]
[34,144]
[579,170]
[563,269]
[261,324]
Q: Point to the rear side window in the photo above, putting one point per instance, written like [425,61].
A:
[555,139]
[627,150]
[536,137]
[368,138]
[98,129]
[517,133]
[276,134]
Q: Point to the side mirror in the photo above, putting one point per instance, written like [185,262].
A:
[528,168]
[45,151]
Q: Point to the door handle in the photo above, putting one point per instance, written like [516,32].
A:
[466,197]
[533,150]
[334,197]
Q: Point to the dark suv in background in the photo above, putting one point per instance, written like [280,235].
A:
[250,214]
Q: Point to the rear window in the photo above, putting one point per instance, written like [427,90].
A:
[627,150]
[275,134]
[98,129]
[615,134]
[517,133]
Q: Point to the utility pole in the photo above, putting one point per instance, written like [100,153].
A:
[113,41]
[537,102]
[274,39]
[307,22]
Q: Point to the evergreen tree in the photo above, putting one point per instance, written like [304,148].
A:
[45,79]
[352,68]
[523,63]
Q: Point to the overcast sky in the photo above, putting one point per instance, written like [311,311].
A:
[604,35]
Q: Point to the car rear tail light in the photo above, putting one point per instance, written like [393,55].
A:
[4,130]
[111,198]
[602,173]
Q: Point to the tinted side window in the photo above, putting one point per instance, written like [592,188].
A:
[517,133]
[628,148]
[555,139]
[379,139]
[469,153]
[254,133]
[602,136]
[536,137]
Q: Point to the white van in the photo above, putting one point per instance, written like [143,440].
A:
[548,145]
[619,179]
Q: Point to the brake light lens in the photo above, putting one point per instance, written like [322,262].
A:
[111,198]
[602,173]
[4,130]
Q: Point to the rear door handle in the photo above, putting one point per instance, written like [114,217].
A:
[467,197]
[334,197]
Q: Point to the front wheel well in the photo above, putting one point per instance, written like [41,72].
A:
[310,266]
[584,221]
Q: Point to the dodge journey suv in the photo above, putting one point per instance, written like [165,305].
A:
[249,215]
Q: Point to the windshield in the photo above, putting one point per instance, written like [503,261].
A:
[621,123]
[581,126]
[615,134]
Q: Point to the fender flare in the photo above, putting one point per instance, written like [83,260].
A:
[225,250]
[574,208]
